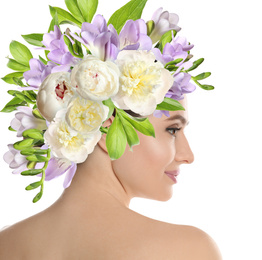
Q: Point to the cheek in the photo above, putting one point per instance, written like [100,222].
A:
[156,152]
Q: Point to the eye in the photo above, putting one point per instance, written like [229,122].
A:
[173,131]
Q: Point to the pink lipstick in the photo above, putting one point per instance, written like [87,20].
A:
[173,175]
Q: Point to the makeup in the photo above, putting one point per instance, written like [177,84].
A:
[173,175]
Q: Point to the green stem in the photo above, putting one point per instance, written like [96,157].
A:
[193,78]
[44,169]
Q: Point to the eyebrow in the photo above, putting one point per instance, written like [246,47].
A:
[179,117]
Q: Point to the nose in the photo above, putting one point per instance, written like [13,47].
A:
[184,153]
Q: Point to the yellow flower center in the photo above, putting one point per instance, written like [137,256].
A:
[138,80]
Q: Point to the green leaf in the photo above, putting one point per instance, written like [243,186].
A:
[150,26]
[33,151]
[37,114]
[9,77]
[132,10]
[34,39]
[110,105]
[167,37]
[70,47]
[30,165]
[37,158]
[207,87]
[30,94]
[116,139]
[87,8]
[143,125]
[38,196]
[170,105]
[12,105]
[131,134]
[53,22]
[73,7]
[43,60]
[31,172]
[173,62]
[24,144]
[20,53]
[203,75]
[64,16]
[196,64]
[14,65]
[33,185]
[8,109]
[33,133]
[104,130]
[11,129]
[18,82]
[24,98]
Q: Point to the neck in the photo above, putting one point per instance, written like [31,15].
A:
[96,182]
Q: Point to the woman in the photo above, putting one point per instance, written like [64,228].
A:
[77,96]
[92,219]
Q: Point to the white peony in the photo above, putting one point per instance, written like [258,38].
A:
[143,82]
[54,94]
[95,79]
[86,116]
[67,143]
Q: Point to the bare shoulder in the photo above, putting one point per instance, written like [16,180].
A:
[23,239]
[168,241]
[192,243]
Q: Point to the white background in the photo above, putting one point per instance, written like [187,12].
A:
[221,191]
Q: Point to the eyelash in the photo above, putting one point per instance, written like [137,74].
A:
[173,129]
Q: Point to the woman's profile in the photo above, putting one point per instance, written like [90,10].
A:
[106,107]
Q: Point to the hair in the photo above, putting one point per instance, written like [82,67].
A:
[130,112]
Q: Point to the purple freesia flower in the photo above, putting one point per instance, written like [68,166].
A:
[133,36]
[59,52]
[57,167]
[24,119]
[15,160]
[37,73]
[102,41]
[164,22]
[182,85]
[159,113]
[176,49]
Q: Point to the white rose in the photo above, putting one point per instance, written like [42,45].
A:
[67,143]
[95,79]
[86,116]
[143,82]
[54,94]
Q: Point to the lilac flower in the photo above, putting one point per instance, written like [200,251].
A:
[133,36]
[182,85]
[176,49]
[57,167]
[178,42]
[15,160]
[24,119]
[102,41]
[159,113]
[164,22]
[59,52]
[37,73]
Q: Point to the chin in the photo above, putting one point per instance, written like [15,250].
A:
[161,196]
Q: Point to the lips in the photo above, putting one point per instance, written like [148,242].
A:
[175,173]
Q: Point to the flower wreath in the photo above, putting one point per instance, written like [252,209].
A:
[63,99]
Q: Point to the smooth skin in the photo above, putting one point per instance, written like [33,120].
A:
[92,219]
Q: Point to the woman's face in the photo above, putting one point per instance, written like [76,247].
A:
[142,172]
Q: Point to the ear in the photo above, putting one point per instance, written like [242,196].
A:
[102,141]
